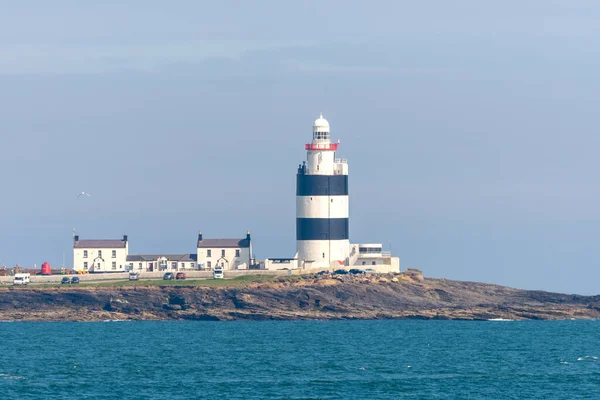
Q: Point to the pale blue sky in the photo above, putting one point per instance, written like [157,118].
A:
[470,128]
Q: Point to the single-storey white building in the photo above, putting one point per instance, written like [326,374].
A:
[161,262]
[100,255]
[229,254]
[280,263]
[371,255]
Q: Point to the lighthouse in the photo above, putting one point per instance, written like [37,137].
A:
[322,203]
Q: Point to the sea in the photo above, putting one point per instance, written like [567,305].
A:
[383,359]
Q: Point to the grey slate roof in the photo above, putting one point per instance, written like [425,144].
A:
[99,244]
[223,243]
[169,257]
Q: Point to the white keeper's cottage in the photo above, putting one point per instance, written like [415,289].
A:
[100,255]
[229,254]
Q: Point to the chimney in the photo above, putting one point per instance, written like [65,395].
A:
[76,238]
[248,236]
[124,238]
[200,237]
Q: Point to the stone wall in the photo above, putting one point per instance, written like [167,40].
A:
[8,280]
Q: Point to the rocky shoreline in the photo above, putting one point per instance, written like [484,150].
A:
[344,297]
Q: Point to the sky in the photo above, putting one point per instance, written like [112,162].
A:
[470,129]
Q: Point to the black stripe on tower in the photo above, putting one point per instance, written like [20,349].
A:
[321,185]
[321,228]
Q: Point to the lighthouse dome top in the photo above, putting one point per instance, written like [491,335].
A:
[321,124]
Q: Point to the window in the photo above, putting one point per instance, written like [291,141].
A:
[98,265]
[114,265]
[114,252]
[373,262]
[208,265]
[364,263]
[85,266]
[140,266]
[99,253]
[130,265]
[85,254]
[182,265]
[364,250]
[223,253]
[323,255]
[208,253]
[174,265]
[192,265]
[237,252]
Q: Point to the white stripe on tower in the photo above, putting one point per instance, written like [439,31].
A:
[322,206]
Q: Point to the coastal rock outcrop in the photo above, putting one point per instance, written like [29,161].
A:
[347,297]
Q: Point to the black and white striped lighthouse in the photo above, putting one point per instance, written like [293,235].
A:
[322,203]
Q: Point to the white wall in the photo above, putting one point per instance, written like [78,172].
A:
[270,265]
[382,264]
[145,265]
[321,159]
[232,262]
[103,264]
[340,168]
[314,250]
[370,261]
[322,207]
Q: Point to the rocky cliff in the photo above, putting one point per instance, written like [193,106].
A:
[346,297]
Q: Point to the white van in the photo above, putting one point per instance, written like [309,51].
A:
[21,279]
[218,273]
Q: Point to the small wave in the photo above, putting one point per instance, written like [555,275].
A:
[500,319]
[587,358]
[9,376]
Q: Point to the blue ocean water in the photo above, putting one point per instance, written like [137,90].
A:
[393,359]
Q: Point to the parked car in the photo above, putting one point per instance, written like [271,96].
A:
[340,272]
[180,275]
[168,276]
[74,280]
[134,276]
[356,271]
[218,273]
[370,271]
[323,273]
[65,280]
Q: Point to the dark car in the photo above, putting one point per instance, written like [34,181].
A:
[65,280]
[168,276]
[340,272]
[322,273]
[75,279]
[180,275]
[356,271]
